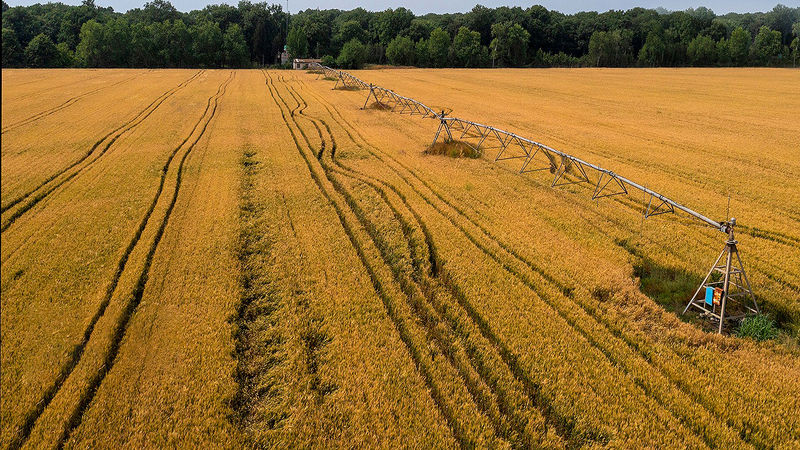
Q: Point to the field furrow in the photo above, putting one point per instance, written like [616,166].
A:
[407,333]
[53,182]
[134,252]
[135,297]
[334,394]
[506,402]
[55,109]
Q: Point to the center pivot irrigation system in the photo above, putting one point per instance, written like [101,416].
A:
[725,293]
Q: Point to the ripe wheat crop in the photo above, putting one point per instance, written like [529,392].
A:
[245,258]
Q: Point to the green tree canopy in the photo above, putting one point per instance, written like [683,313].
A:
[349,30]
[510,44]
[653,51]
[391,23]
[467,49]
[159,11]
[422,53]
[179,45]
[420,29]
[207,44]
[723,52]
[91,51]
[739,45]
[610,49]
[159,35]
[766,48]
[41,51]
[142,46]
[401,51]
[297,43]
[12,51]
[234,47]
[117,35]
[329,61]
[702,51]
[65,57]
[353,55]
[438,48]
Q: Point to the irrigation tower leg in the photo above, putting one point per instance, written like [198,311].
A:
[371,93]
[749,289]
[436,138]
[731,248]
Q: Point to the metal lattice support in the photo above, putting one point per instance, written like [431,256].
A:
[397,103]
[728,296]
[568,169]
[326,71]
[347,80]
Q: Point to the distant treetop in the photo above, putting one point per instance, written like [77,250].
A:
[254,34]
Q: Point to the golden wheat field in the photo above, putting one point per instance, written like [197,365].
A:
[228,259]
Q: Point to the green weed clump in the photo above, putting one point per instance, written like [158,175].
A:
[760,327]
[379,106]
[453,149]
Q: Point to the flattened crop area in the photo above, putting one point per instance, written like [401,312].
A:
[247,259]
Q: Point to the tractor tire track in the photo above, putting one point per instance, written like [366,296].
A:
[423,311]
[158,100]
[41,191]
[60,86]
[561,289]
[55,109]
[747,430]
[422,365]
[138,292]
[508,358]
[78,350]
[503,406]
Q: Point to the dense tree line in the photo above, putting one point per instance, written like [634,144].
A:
[158,35]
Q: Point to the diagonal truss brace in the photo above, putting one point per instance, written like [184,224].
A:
[661,207]
[397,103]
[564,167]
[601,187]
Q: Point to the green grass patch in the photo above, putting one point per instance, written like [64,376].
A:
[453,149]
[379,106]
[760,327]
[347,88]
[671,288]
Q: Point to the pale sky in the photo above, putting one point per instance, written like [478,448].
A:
[420,7]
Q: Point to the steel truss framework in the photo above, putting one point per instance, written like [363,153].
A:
[733,287]
[347,80]
[397,103]
[567,169]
